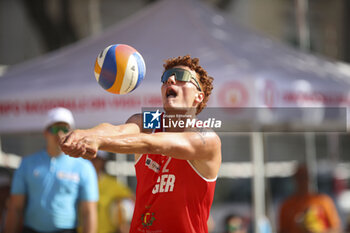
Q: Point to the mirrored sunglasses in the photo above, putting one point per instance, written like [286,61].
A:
[56,128]
[234,228]
[180,75]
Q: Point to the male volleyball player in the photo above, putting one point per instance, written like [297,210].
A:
[176,169]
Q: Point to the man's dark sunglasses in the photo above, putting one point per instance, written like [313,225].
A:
[180,75]
[57,128]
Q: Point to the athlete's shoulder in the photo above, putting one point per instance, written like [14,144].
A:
[208,132]
[210,136]
[33,160]
[137,119]
[35,157]
[323,197]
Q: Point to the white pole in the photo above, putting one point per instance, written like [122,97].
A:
[121,158]
[304,44]
[311,160]
[94,16]
[333,147]
[257,147]
[302,24]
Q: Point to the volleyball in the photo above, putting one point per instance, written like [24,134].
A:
[119,69]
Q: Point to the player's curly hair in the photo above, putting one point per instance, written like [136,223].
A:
[205,80]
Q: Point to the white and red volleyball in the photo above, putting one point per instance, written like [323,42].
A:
[119,69]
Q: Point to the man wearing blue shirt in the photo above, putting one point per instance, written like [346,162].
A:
[49,188]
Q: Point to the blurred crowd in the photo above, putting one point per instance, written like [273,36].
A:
[51,192]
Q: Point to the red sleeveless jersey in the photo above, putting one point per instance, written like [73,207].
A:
[171,196]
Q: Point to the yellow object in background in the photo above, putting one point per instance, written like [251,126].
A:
[115,206]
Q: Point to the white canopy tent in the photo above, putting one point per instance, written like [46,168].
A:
[249,71]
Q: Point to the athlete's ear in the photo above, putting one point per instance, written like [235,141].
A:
[199,97]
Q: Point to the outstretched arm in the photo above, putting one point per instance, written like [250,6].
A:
[202,149]
[70,142]
[184,145]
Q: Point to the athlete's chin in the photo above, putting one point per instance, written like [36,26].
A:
[170,103]
[172,108]
[168,107]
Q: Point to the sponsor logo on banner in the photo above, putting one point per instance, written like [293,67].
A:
[233,94]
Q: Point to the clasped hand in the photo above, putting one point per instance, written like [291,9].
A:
[77,143]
